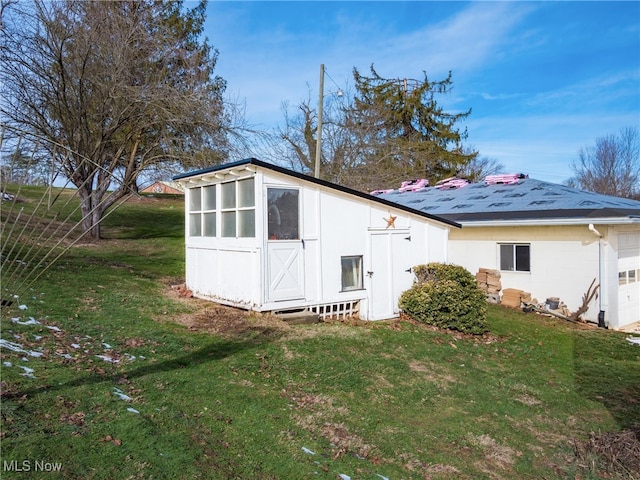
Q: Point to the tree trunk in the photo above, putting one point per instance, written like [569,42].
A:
[91,215]
[93,205]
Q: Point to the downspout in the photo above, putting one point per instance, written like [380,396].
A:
[601,275]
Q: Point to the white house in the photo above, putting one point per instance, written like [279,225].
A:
[265,238]
[546,239]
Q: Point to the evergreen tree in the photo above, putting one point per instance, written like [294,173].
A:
[402,132]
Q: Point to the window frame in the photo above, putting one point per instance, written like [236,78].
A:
[272,209]
[219,205]
[515,261]
[358,276]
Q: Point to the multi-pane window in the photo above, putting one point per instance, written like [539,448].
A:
[238,212]
[202,211]
[235,209]
[629,276]
[209,211]
[351,273]
[515,257]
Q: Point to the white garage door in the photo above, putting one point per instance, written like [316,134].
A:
[628,278]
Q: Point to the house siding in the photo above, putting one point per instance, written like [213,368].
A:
[564,261]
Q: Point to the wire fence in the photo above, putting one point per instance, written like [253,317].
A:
[41,216]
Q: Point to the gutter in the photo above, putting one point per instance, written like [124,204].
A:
[537,222]
[601,275]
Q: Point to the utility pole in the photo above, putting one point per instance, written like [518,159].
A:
[319,133]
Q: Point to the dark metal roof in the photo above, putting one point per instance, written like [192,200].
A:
[373,198]
[527,199]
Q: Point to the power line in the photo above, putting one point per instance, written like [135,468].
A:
[330,78]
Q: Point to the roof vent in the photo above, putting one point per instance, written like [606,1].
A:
[505,178]
[450,183]
[414,185]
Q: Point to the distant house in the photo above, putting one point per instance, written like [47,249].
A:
[546,239]
[265,238]
[169,188]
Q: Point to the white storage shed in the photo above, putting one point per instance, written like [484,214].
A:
[265,238]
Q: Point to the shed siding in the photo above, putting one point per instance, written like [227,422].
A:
[333,224]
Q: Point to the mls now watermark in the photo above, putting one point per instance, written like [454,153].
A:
[30,466]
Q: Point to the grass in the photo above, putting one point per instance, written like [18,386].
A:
[201,391]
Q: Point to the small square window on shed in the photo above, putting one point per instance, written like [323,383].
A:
[351,273]
[515,257]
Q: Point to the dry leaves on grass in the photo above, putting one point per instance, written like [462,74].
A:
[619,451]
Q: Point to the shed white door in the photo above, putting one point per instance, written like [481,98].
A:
[628,281]
[285,266]
[390,272]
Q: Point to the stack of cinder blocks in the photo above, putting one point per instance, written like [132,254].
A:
[489,282]
[514,298]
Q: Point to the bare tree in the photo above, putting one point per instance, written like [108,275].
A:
[479,167]
[611,166]
[296,142]
[122,86]
[388,131]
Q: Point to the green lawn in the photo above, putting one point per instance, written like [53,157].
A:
[120,378]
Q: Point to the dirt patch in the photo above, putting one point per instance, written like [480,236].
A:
[344,441]
[228,322]
[233,322]
[433,373]
[210,317]
[497,455]
[311,414]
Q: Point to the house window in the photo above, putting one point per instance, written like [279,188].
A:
[515,257]
[622,278]
[236,210]
[351,273]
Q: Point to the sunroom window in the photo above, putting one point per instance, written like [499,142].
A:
[238,209]
[235,210]
[202,211]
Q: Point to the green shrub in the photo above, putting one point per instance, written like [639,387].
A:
[446,296]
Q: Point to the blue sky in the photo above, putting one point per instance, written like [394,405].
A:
[543,79]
